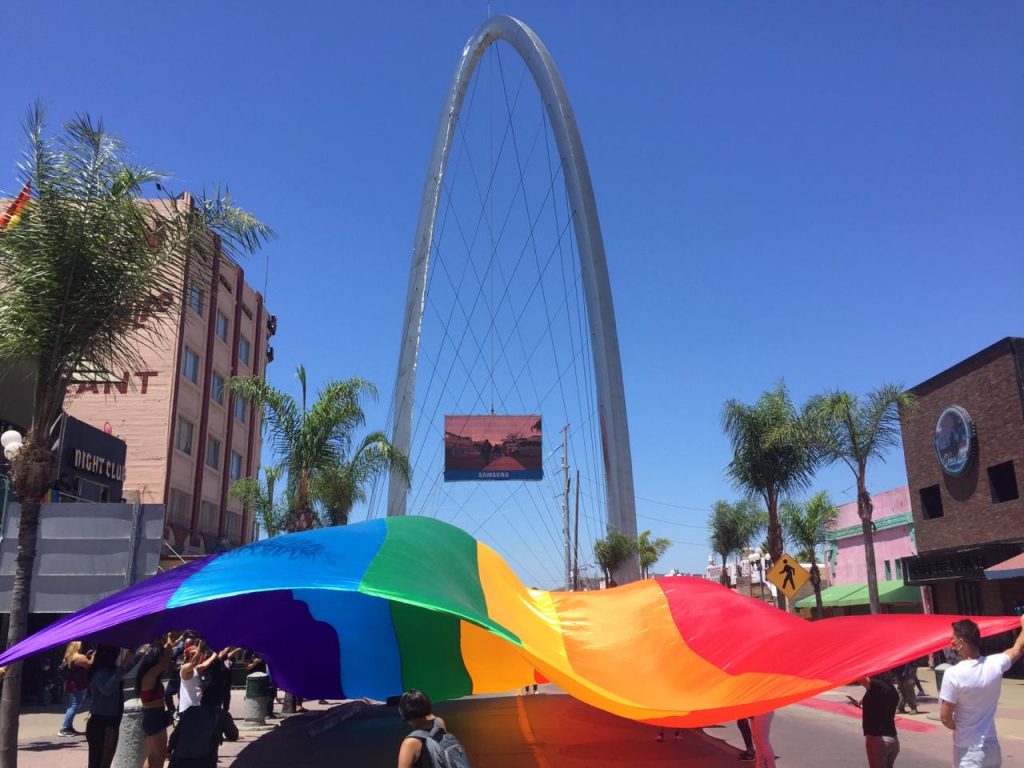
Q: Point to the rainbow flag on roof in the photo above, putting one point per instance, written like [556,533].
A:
[15,210]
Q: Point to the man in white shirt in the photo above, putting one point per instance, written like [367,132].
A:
[970,695]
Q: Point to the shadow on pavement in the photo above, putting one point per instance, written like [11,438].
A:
[501,732]
[47,746]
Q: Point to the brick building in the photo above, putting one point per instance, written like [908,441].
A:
[188,438]
[964,450]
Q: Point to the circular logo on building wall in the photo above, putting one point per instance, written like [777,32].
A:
[954,440]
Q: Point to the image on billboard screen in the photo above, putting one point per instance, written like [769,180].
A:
[492,448]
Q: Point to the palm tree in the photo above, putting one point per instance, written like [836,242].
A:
[86,260]
[339,488]
[857,431]
[312,443]
[650,551]
[271,511]
[612,551]
[733,527]
[773,454]
[807,525]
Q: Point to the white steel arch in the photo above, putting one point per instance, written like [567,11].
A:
[618,464]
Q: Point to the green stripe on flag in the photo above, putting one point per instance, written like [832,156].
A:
[429,645]
[406,570]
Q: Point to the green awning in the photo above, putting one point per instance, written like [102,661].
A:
[898,592]
[841,595]
[830,596]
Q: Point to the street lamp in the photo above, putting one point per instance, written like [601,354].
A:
[757,558]
[11,441]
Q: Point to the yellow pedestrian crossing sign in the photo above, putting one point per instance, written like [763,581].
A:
[788,575]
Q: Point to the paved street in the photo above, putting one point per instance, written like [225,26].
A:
[551,729]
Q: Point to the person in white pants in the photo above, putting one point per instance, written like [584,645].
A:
[760,728]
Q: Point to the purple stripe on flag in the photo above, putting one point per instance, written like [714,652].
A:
[139,600]
[303,653]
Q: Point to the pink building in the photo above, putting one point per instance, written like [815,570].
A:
[894,542]
[188,437]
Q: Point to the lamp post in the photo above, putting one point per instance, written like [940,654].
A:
[11,441]
[757,558]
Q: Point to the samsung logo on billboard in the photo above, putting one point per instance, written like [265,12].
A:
[98,465]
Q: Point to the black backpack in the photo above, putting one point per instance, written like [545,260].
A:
[64,670]
[444,749]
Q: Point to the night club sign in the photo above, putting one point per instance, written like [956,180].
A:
[954,440]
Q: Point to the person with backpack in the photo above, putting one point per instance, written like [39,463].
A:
[429,745]
[74,671]
[200,732]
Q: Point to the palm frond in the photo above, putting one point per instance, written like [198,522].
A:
[89,257]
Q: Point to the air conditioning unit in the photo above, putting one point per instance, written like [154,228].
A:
[272,325]
[270,354]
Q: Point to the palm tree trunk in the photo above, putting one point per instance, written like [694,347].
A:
[819,609]
[723,577]
[775,542]
[31,481]
[866,509]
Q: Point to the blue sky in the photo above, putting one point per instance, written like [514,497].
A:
[829,193]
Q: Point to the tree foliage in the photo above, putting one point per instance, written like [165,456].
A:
[773,453]
[650,551]
[856,431]
[343,486]
[733,527]
[313,444]
[271,510]
[807,525]
[612,551]
[87,278]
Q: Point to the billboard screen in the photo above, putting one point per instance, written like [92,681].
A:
[492,448]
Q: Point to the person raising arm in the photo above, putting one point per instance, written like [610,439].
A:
[970,695]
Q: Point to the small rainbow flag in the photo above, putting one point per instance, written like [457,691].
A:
[14,211]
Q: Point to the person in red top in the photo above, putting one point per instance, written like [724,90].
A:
[155,717]
[75,685]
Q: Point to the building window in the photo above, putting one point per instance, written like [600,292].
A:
[244,349]
[196,297]
[234,527]
[190,366]
[208,518]
[931,502]
[236,465]
[183,441]
[222,327]
[179,510]
[87,490]
[213,453]
[1002,483]
[217,389]
[888,571]
[898,568]
[240,408]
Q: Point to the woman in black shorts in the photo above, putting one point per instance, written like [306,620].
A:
[151,692]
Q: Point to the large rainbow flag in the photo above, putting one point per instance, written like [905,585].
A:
[375,608]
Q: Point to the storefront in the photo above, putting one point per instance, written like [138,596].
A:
[92,462]
[964,450]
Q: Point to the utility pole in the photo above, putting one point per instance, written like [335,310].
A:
[576,540]
[565,507]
